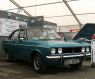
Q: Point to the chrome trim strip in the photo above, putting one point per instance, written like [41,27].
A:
[53,57]
[88,54]
[69,56]
[73,56]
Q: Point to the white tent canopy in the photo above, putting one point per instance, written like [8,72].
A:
[55,10]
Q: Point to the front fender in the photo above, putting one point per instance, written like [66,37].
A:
[42,51]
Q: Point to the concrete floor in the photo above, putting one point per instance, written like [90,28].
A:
[23,70]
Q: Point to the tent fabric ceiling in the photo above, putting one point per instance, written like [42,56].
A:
[57,13]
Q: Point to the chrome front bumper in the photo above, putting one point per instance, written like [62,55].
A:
[67,56]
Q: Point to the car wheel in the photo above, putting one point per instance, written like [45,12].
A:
[39,64]
[76,66]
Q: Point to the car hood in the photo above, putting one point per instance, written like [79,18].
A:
[60,43]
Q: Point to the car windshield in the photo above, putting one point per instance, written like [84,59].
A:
[39,33]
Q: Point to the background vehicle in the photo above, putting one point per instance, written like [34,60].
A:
[86,32]
[67,35]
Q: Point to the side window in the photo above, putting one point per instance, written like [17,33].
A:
[15,36]
[22,34]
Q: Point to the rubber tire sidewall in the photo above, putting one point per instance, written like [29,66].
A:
[43,66]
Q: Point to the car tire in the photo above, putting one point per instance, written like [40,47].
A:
[76,66]
[39,64]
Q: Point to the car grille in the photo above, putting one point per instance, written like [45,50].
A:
[71,50]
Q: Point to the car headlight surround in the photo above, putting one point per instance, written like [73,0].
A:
[53,50]
[59,50]
[87,49]
[83,49]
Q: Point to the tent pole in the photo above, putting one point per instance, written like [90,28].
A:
[16,4]
[68,6]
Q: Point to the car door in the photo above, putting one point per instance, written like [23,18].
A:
[22,46]
[13,41]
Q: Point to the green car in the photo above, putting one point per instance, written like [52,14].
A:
[43,47]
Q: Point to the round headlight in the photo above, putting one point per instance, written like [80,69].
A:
[59,50]
[53,50]
[83,49]
[87,49]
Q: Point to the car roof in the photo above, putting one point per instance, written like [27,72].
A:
[32,28]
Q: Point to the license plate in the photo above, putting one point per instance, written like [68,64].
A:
[71,61]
